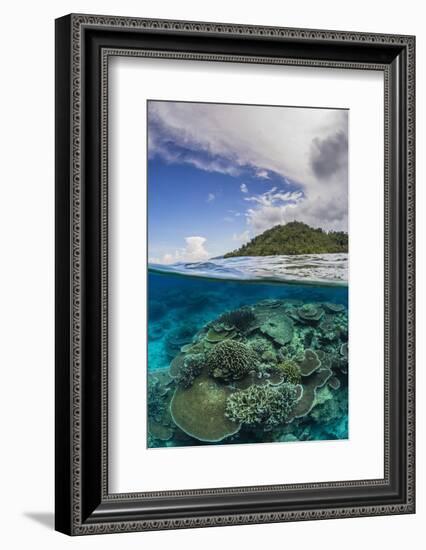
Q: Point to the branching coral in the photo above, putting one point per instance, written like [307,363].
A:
[230,360]
[289,371]
[241,319]
[267,405]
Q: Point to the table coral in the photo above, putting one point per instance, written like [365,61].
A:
[200,410]
[309,363]
[279,328]
[310,313]
[310,386]
[334,308]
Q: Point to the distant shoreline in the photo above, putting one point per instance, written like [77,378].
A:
[293,239]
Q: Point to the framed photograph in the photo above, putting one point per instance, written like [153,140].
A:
[234,274]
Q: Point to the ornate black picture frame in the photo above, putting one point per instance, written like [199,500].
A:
[84,44]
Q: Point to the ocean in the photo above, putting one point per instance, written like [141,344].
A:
[248,350]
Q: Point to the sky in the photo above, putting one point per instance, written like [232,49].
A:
[220,174]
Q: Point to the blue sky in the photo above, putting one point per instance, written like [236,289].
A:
[218,174]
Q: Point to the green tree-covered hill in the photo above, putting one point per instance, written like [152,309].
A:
[293,238]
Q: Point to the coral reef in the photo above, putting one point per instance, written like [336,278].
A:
[159,431]
[177,338]
[272,371]
[241,319]
[329,330]
[334,383]
[194,347]
[160,424]
[288,438]
[218,333]
[309,363]
[156,403]
[342,361]
[230,360]
[176,364]
[192,366]
[289,371]
[334,308]
[279,328]
[267,405]
[331,409]
[200,410]
[310,313]
[309,388]
[269,356]
[260,345]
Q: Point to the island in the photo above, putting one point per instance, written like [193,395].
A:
[293,238]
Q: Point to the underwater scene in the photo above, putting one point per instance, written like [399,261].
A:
[247,285]
[240,358]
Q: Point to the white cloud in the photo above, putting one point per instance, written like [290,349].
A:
[305,146]
[211,197]
[194,251]
[262,174]
[273,197]
[243,188]
[169,258]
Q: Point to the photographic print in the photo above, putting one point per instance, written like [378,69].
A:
[247,274]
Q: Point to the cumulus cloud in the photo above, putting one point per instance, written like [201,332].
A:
[243,188]
[272,208]
[308,147]
[211,197]
[329,156]
[194,251]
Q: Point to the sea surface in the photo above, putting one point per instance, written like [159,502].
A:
[184,298]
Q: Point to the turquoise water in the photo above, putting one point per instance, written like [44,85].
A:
[182,307]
